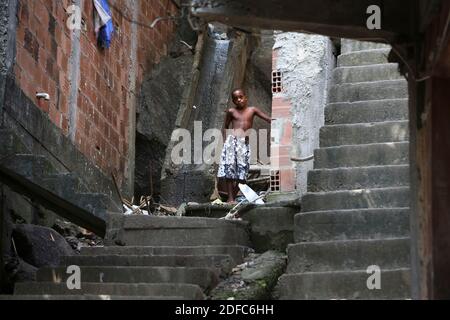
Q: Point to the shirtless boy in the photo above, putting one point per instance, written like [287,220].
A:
[235,159]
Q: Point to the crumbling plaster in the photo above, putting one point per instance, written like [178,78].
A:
[306,62]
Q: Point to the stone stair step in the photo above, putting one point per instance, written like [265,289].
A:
[358,178]
[206,278]
[10,144]
[348,45]
[85,297]
[64,184]
[222,263]
[96,203]
[364,91]
[348,255]
[366,111]
[352,224]
[183,231]
[238,253]
[375,72]
[377,154]
[363,57]
[187,291]
[272,228]
[29,165]
[364,133]
[395,283]
[357,199]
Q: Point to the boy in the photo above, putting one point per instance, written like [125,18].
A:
[235,159]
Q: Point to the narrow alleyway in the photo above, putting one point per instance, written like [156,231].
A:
[348,156]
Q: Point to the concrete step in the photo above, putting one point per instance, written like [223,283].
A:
[395,284]
[206,278]
[187,291]
[357,199]
[377,154]
[29,165]
[10,144]
[348,255]
[84,297]
[222,263]
[238,253]
[348,45]
[271,228]
[364,133]
[96,203]
[352,224]
[375,72]
[183,231]
[358,178]
[366,111]
[364,57]
[364,91]
[63,185]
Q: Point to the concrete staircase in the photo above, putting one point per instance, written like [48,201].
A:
[162,258]
[356,211]
[58,190]
[149,257]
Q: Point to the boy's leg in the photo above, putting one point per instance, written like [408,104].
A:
[230,189]
[236,189]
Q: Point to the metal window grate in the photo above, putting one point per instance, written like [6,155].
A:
[277,86]
[275,180]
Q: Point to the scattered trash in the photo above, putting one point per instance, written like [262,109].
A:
[251,195]
[152,208]
[181,211]
[217,202]
[241,199]
[170,210]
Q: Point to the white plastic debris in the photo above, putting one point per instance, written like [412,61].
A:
[250,195]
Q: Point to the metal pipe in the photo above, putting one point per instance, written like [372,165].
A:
[303,159]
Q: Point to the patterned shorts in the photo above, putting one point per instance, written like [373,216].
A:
[235,159]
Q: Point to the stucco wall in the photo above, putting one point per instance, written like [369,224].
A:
[306,62]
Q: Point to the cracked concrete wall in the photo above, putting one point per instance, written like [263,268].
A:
[306,62]
[8,22]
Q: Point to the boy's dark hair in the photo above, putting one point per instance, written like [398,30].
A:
[237,89]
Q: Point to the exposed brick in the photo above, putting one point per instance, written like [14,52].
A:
[287,180]
[31,45]
[43,51]
[281,112]
[23,13]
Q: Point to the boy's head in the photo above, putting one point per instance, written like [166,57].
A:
[239,98]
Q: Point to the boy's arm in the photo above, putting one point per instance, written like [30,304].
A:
[228,119]
[262,115]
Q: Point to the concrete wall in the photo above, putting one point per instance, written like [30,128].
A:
[219,66]
[8,24]
[257,85]
[306,63]
[160,100]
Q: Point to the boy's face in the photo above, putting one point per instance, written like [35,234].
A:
[239,99]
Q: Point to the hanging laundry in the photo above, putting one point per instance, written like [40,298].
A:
[104,27]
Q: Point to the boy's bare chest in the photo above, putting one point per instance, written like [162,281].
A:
[246,115]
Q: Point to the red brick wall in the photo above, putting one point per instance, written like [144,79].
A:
[283,172]
[44,45]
